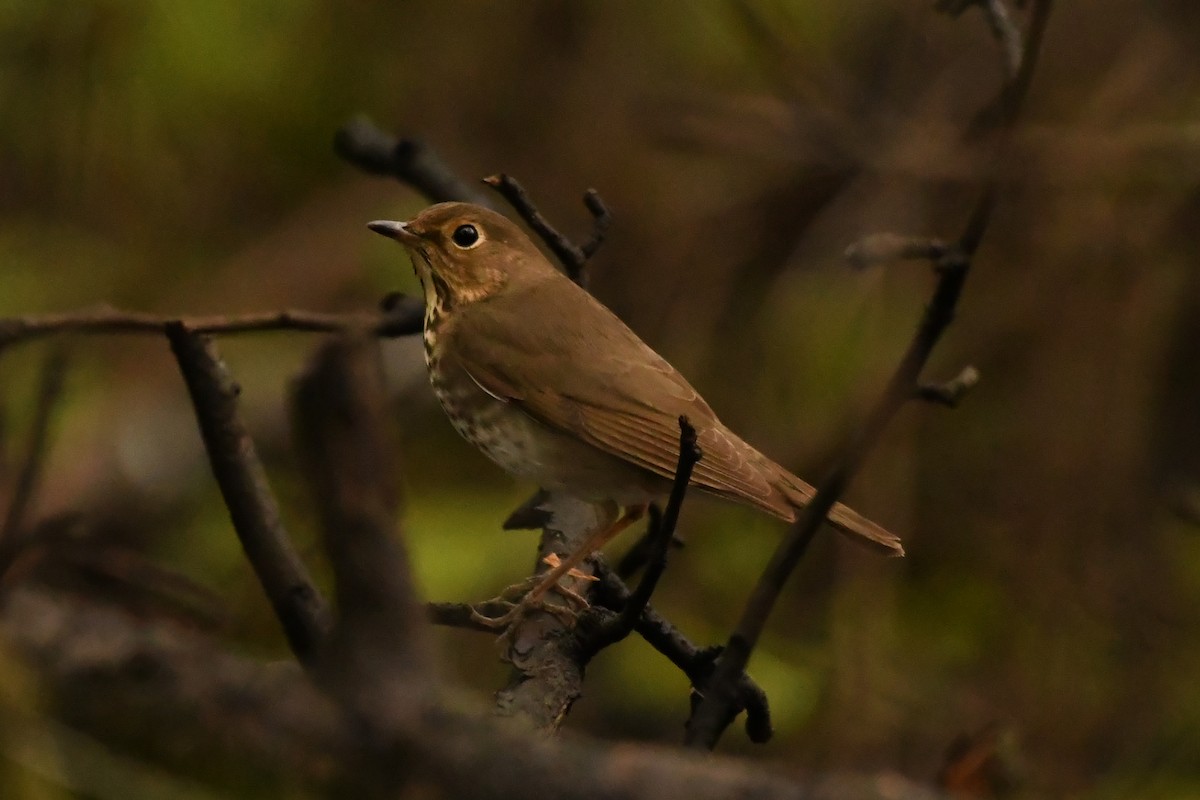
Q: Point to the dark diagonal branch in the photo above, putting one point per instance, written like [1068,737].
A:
[409,161]
[620,625]
[248,497]
[694,662]
[49,391]
[573,257]
[13,534]
[403,318]
[952,267]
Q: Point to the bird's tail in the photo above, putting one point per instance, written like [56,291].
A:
[845,519]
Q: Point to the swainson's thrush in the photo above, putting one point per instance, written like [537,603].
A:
[553,387]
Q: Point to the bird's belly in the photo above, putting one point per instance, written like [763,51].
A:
[501,433]
[526,448]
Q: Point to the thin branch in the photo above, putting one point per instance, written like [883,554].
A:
[464,615]
[713,714]
[879,248]
[696,663]
[409,161]
[639,554]
[616,628]
[49,391]
[950,393]
[574,258]
[405,318]
[252,507]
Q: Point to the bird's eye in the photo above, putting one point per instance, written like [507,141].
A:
[466,236]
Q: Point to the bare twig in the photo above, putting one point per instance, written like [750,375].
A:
[464,615]
[693,661]
[636,556]
[409,161]
[616,628]
[950,393]
[574,258]
[377,655]
[712,715]
[46,402]
[404,318]
[877,248]
[252,507]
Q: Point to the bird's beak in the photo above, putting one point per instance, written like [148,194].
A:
[393,230]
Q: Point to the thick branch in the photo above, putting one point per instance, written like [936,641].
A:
[176,694]
[547,674]
[377,653]
[248,497]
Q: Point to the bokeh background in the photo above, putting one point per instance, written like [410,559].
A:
[176,157]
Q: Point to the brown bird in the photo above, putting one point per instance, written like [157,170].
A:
[553,387]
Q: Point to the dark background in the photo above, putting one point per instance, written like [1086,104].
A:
[177,158]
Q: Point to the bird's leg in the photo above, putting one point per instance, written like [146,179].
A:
[595,540]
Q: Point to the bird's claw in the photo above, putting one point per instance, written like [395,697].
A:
[520,608]
[517,611]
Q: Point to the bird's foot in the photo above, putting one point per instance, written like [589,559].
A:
[569,594]
[531,591]
[517,611]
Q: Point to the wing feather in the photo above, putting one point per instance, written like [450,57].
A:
[627,402]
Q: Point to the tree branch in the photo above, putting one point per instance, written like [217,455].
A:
[410,161]
[13,535]
[618,626]
[713,714]
[573,257]
[176,694]
[378,654]
[404,318]
[252,507]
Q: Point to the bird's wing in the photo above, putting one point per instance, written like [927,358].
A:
[619,396]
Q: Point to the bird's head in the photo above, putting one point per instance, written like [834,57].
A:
[463,252]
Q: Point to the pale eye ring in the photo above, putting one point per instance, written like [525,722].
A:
[466,236]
